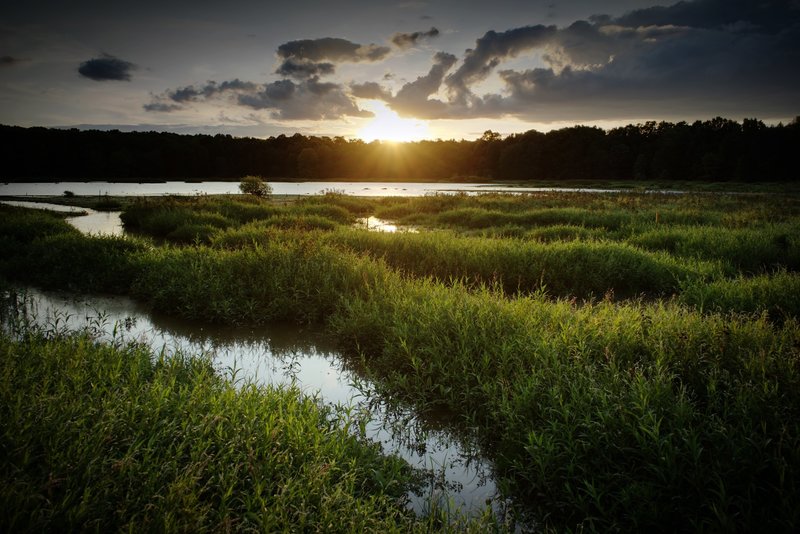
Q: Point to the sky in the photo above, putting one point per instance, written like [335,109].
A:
[396,70]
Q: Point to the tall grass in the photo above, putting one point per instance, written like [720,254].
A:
[607,416]
[106,438]
[744,249]
[776,294]
[580,269]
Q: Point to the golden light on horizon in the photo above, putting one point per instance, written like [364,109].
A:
[387,125]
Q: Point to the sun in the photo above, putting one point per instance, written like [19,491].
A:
[389,126]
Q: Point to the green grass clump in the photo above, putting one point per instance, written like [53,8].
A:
[744,249]
[106,438]
[563,232]
[604,416]
[302,281]
[580,269]
[43,249]
[776,294]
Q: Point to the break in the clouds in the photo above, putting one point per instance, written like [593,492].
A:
[107,68]
[707,56]
[407,40]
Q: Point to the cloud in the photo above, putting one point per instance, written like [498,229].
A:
[407,40]
[413,98]
[371,91]
[692,59]
[107,68]
[8,61]
[698,58]
[332,49]
[490,50]
[308,99]
[210,89]
[304,69]
[312,58]
[162,107]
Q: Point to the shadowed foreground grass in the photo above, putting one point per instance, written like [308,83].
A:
[110,438]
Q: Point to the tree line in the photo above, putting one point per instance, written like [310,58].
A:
[718,149]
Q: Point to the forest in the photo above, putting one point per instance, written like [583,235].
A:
[712,150]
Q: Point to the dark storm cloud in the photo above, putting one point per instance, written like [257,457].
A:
[332,49]
[407,40]
[304,69]
[704,57]
[107,68]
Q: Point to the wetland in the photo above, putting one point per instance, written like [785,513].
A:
[594,360]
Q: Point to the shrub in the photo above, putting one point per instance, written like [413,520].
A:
[254,185]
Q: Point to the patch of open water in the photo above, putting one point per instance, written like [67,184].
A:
[282,355]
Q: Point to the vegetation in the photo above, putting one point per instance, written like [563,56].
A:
[712,150]
[254,185]
[112,438]
[626,361]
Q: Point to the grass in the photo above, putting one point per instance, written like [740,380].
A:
[112,438]
[673,405]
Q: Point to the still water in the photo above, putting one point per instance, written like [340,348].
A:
[367,189]
[284,354]
[88,221]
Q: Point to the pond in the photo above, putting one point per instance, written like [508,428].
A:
[281,355]
[370,189]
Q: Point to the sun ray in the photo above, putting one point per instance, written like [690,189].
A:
[387,125]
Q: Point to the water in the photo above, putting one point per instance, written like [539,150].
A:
[282,355]
[374,224]
[88,221]
[368,189]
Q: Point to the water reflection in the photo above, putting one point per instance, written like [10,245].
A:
[278,355]
[88,221]
[379,225]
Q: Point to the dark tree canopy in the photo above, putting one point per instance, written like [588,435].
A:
[717,149]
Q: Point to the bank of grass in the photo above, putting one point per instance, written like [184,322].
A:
[570,269]
[111,438]
[606,414]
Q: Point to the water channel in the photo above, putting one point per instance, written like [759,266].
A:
[279,355]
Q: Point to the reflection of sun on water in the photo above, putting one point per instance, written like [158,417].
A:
[389,126]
